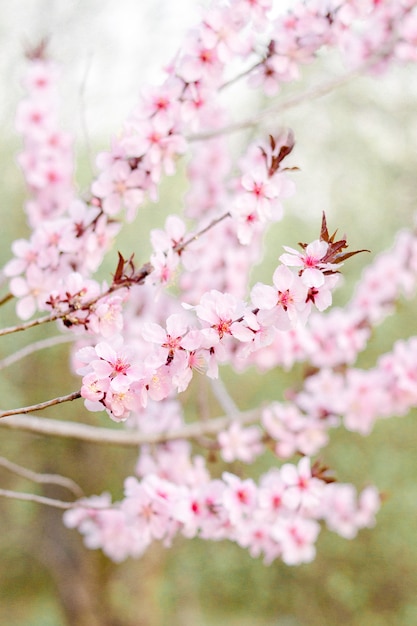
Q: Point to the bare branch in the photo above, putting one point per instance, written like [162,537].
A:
[31,324]
[179,247]
[35,347]
[42,405]
[129,438]
[295,100]
[58,504]
[51,479]
[31,497]
[6,298]
[223,396]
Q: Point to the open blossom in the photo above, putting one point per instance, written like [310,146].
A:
[107,317]
[345,513]
[118,187]
[33,291]
[310,262]
[293,431]
[111,379]
[223,313]
[116,365]
[297,539]
[285,300]
[164,266]
[243,444]
[261,193]
[169,341]
[239,497]
[303,490]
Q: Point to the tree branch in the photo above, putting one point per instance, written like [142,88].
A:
[180,247]
[295,100]
[42,405]
[6,298]
[51,479]
[108,436]
[35,347]
[225,399]
[58,504]
[32,497]
[31,324]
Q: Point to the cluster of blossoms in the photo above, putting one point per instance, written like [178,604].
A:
[279,518]
[139,345]
[165,357]
[174,495]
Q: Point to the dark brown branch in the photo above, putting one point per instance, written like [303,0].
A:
[41,405]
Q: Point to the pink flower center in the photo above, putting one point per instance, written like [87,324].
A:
[120,366]
[242,496]
[276,502]
[310,261]
[284,299]
[223,327]
[258,189]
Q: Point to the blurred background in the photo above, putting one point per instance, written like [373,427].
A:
[357,158]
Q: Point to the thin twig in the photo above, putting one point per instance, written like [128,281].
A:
[242,74]
[32,497]
[35,347]
[58,504]
[179,247]
[283,105]
[31,324]
[295,100]
[223,396]
[51,479]
[108,436]
[42,405]
[6,298]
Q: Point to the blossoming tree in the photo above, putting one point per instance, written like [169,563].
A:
[142,336]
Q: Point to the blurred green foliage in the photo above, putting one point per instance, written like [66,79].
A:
[357,163]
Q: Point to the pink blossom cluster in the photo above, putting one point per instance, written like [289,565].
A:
[337,337]
[356,398]
[47,157]
[68,235]
[278,518]
[204,334]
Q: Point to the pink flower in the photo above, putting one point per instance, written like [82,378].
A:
[310,262]
[32,291]
[302,489]
[262,192]
[243,444]
[239,497]
[297,538]
[93,389]
[343,514]
[120,186]
[107,318]
[224,313]
[286,300]
[200,62]
[115,365]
